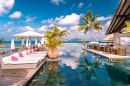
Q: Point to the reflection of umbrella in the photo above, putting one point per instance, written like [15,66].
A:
[12,44]
[27,43]
[30,34]
[42,41]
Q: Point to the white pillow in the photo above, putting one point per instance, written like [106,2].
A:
[16,55]
[24,53]
[6,59]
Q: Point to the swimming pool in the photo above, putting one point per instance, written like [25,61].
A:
[82,68]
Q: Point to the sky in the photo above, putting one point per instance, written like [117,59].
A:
[18,16]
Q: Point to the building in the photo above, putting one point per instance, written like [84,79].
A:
[121,15]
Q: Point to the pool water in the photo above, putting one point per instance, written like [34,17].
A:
[82,68]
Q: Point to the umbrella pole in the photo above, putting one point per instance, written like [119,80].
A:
[30,44]
[37,41]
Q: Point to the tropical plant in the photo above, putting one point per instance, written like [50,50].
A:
[89,67]
[90,22]
[49,78]
[1,40]
[53,38]
[83,42]
[22,38]
[127,28]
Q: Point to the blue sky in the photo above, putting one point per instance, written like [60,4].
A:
[17,16]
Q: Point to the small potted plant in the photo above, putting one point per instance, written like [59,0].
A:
[83,43]
[53,40]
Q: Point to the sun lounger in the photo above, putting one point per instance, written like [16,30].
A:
[28,61]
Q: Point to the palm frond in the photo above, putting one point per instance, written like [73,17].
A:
[86,29]
[94,18]
[2,40]
[81,28]
[97,26]
[89,15]
[84,19]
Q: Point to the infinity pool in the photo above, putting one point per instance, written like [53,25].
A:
[82,68]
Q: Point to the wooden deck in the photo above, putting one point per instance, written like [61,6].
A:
[110,56]
[12,77]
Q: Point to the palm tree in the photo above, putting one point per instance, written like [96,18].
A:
[127,28]
[22,38]
[90,22]
[1,40]
[89,67]
[53,40]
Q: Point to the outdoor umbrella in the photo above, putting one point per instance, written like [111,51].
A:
[36,42]
[42,41]
[12,44]
[27,43]
[30,34]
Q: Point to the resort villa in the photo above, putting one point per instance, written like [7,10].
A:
[52,61]
[121,15]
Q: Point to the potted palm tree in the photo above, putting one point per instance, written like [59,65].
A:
[90,22]
[53,40]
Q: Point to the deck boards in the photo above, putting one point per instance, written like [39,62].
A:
[11,77]
[110,56]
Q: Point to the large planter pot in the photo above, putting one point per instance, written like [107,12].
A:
[53,65]
[53,55]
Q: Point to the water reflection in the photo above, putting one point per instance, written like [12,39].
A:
[50,76]
[89,66]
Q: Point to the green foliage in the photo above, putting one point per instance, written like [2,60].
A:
[83,42]
[2,40]
[89,67]
[20,38]
[90,22]
[53,38]
[127,28]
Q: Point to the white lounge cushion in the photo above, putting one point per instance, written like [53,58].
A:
[16,55]
[24,53]
[6,59]
[24,61]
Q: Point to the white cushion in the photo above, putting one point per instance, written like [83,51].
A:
[6,59]
[24,53]
[16,55]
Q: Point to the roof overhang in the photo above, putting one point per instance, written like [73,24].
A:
[121,15]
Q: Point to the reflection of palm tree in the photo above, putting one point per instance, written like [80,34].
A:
[89,67]
[49,77]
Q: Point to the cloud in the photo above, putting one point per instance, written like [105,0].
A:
[16,15]
[72,19]
[63,28]
[80,5]
[57,1]
[9,30]
[90,5]
[72,6]
[102,18]
[26,28]
[10,23]
[30,19]
[58,19]
[43,29]
[75,27]
[47,21]
[51,25]
[6,6]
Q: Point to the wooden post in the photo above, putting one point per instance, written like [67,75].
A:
[108,51]
[117,51]
[30,44]
[37,41]
[104,49]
